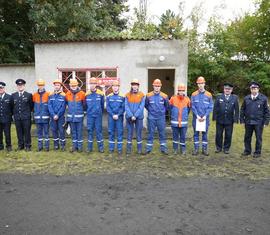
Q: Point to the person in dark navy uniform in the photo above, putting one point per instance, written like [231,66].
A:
[226,113]
[23,105]
[255,115]
[5,117]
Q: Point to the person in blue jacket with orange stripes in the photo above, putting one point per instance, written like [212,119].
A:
[41,115]
[202,106]
[94,110]
[75,99]
[57,108]
[134,107]
[156,103]
[180,108]
[115,103]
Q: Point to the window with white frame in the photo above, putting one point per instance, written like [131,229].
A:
[104,75]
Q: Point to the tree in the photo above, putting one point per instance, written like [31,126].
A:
[171,25]
[15,32]
[77,19]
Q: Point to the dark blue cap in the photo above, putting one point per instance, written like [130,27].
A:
[20,81]
[254,85]
[2,84]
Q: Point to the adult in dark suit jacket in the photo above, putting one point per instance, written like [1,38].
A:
[254,115]
[22,108]
[226,113]
[5,117]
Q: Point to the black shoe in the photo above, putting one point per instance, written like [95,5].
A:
[47,150]
[218,151]
[205,153]
[56,148]
[256,155]
[39,149]
[226,152]
[27,149]
[2,148]
[245,154]
[165,152]
[63,148]
[195,152]
[20,148]
[147,152]
[9,148]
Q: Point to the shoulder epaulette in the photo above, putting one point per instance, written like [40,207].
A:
[207,93]
[165,96]
[195,93]
[150,94]
[141,94]
[100,92]
[120,94]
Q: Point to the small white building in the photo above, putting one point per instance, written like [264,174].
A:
[107,59]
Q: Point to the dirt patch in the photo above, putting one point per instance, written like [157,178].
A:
[132,204]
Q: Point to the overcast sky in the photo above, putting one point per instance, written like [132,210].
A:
[233,8]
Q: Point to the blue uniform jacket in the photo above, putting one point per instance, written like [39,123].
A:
[156,105]
[41,111]
[76,105]
[115,104]
[94,103]
[255,112]
[134,105]
[226,111]
[179,107]
[57,104]
[201,104]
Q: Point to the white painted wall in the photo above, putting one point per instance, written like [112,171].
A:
[132,57]
[10,73]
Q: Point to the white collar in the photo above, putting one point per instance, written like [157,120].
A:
[3,95]
[254,96]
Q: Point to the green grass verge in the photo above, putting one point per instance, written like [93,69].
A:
[216,165]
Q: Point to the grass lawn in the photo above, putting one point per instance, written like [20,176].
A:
[216,165]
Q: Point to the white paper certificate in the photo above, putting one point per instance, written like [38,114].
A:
[200,126]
